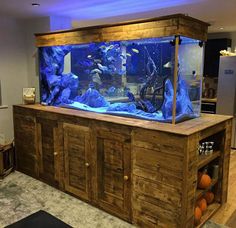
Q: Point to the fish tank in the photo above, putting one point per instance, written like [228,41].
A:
[157,79]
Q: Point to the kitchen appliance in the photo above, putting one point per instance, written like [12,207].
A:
[226,95]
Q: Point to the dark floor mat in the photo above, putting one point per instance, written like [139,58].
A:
[40,219]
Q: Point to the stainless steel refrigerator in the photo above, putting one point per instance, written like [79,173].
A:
[226,91]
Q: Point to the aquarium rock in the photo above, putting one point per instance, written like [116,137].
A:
[93,99]
[168,100]
[126,107]
[183,103]
[53,80]
[64,97]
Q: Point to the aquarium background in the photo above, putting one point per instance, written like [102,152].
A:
[128,78]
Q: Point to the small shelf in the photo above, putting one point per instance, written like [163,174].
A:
[211,210]
[205,159]
[3,107]
[200,192]
[213,100]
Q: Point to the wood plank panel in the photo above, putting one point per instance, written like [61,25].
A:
[157,166]
[156,27]
[113,157]
[77,160]
[47,137]
[83,118]
[163,163]
[151,213]
[25,144]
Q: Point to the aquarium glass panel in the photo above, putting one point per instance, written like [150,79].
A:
[128,78]
[191,69]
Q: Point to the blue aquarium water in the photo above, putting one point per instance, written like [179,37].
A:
[128,78]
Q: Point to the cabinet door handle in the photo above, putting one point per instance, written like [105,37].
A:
[55,153]
[126,178]
[87,164]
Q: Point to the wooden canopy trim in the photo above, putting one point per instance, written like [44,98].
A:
[172,25]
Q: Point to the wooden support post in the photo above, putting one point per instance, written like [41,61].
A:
[175,81]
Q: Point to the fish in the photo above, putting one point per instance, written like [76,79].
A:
[94,71]
[102,47]
[128,54]
[101,67]
[111,91]
[97,60]
[105,48]
[122,56]
[89,56]
[135,50]
[168,65]
[111,59]
[96,78]
[130,96]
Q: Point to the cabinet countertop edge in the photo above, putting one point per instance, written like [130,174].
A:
[187,127]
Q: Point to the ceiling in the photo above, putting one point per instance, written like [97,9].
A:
[220,14]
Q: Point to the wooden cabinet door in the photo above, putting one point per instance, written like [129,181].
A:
[77,161]
[113,166]
[25,143]
[49,150]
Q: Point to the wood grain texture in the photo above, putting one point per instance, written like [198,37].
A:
[175,79]
[47,147]
[189,186]
[7,157]
[227,211]
[83,118]
[77,161]
[141,171]
[25,134]
[157,161]
[113,166]
[172,25]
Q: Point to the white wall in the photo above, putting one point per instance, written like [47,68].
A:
[32,26]
[13,70]
[18,61]
[39,25]
[60,23]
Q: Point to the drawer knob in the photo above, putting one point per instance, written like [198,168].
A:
[55,153]
[126,178]
[87,164]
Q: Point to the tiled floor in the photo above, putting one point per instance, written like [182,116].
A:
[21,195]
[227,213]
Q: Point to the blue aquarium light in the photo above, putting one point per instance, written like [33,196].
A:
[129,78]
[95,9]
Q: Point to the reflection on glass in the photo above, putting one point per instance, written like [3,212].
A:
[129,78]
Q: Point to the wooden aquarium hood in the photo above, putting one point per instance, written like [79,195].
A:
[172,25]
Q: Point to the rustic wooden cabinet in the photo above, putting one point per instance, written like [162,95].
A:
[38,147]
[113,148]
[47,138]
[77,160]
[25,143]
[143,172]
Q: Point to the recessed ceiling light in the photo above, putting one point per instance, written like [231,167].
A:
[35,4]
[221,28]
